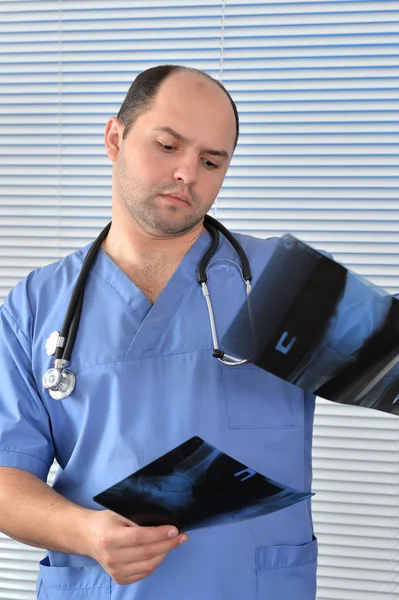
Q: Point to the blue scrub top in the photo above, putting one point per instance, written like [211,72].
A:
[146,382]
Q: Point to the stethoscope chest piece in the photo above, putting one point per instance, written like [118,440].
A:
[60,384]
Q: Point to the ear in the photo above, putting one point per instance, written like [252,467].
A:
[113,137]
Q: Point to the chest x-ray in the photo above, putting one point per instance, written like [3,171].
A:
[196,485]
[321,327]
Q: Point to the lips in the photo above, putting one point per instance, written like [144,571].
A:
[178,196]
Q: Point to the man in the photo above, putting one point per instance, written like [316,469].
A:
[146,379]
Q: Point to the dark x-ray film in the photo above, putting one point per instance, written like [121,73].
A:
[321,327]
[196,485]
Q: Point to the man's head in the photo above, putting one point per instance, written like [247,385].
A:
[175,133]
[144,89]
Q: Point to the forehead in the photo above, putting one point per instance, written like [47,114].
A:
[195,107]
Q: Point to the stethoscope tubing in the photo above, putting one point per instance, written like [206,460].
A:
[211,223]
[72,317]
[60,382]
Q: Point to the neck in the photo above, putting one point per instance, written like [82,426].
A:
[129,244]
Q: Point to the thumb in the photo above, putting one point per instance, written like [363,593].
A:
[122,520]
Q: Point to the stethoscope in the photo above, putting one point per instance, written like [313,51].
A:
[60,381]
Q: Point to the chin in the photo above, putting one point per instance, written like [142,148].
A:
[175,227]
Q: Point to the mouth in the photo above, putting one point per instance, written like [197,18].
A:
[180,199]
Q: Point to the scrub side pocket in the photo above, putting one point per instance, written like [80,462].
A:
[286,572]
[256,399]
[59,583]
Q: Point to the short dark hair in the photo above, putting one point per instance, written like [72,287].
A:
[144,88]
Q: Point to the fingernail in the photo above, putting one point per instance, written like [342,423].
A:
[172,533]
[184,538]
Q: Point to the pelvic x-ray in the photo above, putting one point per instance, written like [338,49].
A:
[321,327]
[196,485]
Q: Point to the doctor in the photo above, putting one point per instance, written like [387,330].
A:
[146,379]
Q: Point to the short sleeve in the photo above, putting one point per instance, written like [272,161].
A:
[25,429]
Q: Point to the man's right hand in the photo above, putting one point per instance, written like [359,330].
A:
[126,551]
[39,516]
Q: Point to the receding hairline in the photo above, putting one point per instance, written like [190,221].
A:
[144,90]
[198,76]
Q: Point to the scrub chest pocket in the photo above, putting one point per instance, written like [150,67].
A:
[258,400]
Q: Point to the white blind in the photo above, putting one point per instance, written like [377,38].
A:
[356,470]
[317,91]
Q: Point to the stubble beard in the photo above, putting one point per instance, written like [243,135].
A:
[146,209]
[165,220]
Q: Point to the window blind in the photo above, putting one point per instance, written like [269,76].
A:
[316,88]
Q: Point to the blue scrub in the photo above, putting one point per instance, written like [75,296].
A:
[146,382]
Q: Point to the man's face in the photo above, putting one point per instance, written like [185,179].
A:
[182,145]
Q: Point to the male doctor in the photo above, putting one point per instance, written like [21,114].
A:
[146,379]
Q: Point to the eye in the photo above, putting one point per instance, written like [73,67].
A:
[209,164]
[167,147]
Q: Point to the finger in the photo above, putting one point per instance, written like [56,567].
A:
[117,518]
[149,551]
[148,535]
[143,569]
[128,537]
[148,566]
[144,552]
[127,521]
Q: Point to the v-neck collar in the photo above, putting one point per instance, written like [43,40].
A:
[152,320]
[162,312]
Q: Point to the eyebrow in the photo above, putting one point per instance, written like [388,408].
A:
[181,138]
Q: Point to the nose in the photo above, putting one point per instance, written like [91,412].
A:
[187,171]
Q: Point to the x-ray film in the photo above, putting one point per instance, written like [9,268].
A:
[196,485]
[321,327]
